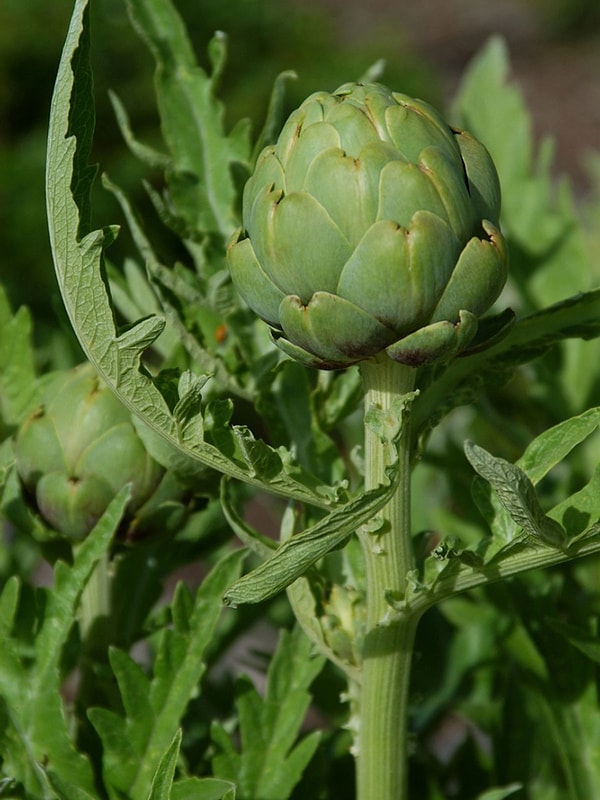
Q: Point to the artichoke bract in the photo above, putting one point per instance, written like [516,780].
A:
[77,450]
[369,226]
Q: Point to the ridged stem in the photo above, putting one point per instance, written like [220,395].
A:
[388,554]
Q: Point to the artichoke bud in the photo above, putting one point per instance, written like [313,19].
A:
[77,450]
[342,623]
[368,222]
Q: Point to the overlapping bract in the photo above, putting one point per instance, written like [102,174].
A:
[370,225]
[78,449]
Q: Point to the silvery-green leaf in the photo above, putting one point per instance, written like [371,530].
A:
[298,553]
[516,494]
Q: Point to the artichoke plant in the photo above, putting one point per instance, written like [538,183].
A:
[369,226]
[78,449]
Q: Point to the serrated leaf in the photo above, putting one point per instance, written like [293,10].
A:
[576,513]
[149,155]
[78,257]
[296,555]
[540,217]
[39,731]
[577,317]
[548,254]
[69,583]
[517,495]
[168,285]
[139,236]
[269,765]
[485,98]
[134,687]
[18,385]
[120,756]
[135,744]
[200,179]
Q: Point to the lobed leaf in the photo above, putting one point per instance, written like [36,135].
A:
[269,765]
[200,178]
[486,96]
[548,254]
[18,385]
[37,728]
[145,153]
[297,554]
[540,217]
[523,536]
[516,494]
[79,262]
[465,378]
[135,743]
[540,222]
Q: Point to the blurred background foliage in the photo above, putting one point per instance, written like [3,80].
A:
[554,50]
[425,48]
[264,39]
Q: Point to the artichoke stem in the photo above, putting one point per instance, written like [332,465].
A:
[382,746]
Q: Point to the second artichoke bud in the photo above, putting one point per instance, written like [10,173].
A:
[370,226]
[77,450]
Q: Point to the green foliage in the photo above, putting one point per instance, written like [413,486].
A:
[237,453]
[300,552]
[199,177]
[540,222]
[272,37]
[269,765]
[159,709]
[34,730]
[17,368]
[135,745]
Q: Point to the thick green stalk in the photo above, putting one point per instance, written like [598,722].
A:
[388,554]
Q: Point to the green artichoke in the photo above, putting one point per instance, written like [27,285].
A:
[370,226]
[77,450]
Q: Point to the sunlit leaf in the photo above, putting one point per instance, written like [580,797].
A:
[79,262]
